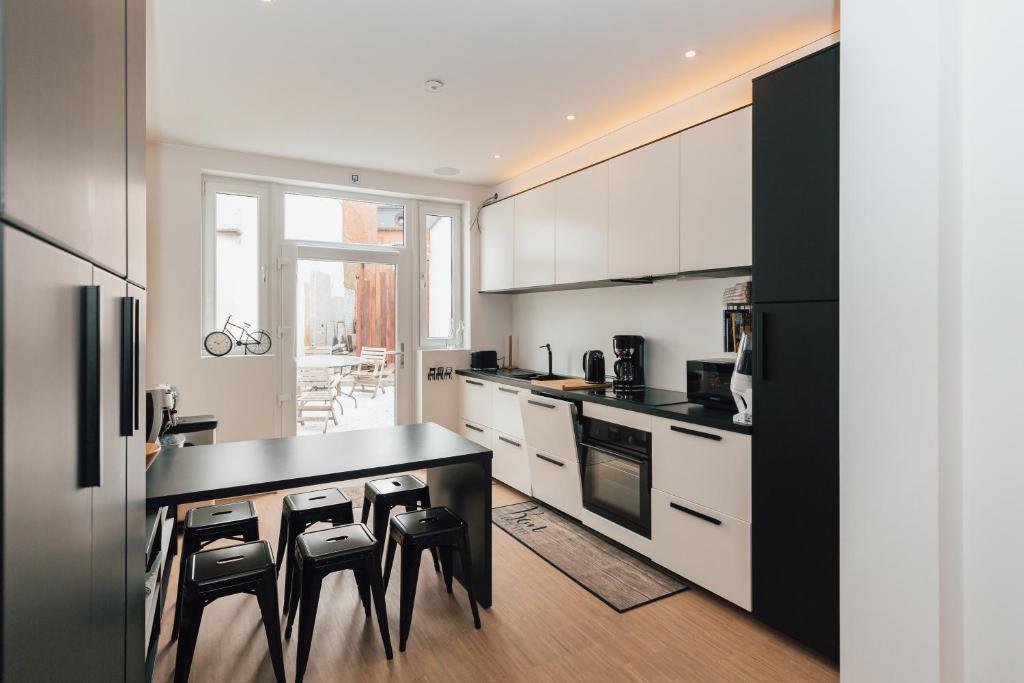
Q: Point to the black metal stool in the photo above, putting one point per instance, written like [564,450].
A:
[319,553]
[219,572]
[437,529]
[234,521]
[386,494]
[301,511]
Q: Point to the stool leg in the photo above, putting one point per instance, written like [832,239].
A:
[410,575]
[467,575]
[362,583]
[348,517]
[289,568]
[282,542]
[252,530]
[266,594]
[189,545]
[292,597]
[381,518]
[365,513]
[307,618]
[392,544]
[377,588]
[425,503]
[192,614]
[446,566]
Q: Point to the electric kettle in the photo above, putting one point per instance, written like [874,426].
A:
[593,367]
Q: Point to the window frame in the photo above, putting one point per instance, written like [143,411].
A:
[212,186]
[282,189]
[455,212]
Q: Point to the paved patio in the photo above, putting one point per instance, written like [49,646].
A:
[371,412]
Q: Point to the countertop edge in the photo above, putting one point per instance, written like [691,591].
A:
[655,411]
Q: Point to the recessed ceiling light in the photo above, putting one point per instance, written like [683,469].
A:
[446,170]
[690,54]
[570,117]
[434,85]
[497,156]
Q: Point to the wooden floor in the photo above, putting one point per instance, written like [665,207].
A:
[542,627]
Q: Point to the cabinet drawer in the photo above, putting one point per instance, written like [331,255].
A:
[556,481]
[511,464]
[707,466]
[475,400]
[476,433]
[505,414]
[628,418]
[550,425]
[702,545]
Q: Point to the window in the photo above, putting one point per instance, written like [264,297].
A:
[339,220]
[234,269]
[439,297]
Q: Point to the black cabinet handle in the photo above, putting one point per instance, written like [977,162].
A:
[127,365]
[473,427]
[542,405]
[694,432]
[550,460]
[510,441]
[760,338]
[508,391]
[698,515]
[89,434]
[138,366]
[479,384]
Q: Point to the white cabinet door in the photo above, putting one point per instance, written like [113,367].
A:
[707,466]
[715,193]
[505,413]
[476,433]
[510,465]
[702,545]
[497,243]
[556,481]
[549,425]
[643,207]
[535,237]
[581,225]
[475,401]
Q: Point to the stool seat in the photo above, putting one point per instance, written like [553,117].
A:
[214,565]
[393,486]
[422,524]
[336,543]
[315,500]
[212,516]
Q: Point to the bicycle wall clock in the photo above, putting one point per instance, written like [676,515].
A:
[220,342]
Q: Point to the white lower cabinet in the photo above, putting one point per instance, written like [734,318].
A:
[476,433]
[511,463]
[549,424]
[475,401]
[556,481]
[505,414]
[702,545]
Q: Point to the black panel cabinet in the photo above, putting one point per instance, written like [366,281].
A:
[796,181]
[795,546]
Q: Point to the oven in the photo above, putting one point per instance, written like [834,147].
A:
[616,463]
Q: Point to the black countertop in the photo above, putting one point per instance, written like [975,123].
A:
[684,412]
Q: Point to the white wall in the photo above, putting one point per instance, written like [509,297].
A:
[242,391]
[679,321]
[931,244]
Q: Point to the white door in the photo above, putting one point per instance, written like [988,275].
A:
[347,324]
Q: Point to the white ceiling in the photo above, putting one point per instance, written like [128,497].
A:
[341,81]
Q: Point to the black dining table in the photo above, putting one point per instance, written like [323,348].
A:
[458,472]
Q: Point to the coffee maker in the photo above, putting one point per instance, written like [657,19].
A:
[629,364]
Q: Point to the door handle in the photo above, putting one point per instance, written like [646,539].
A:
[761,338]
[473,427]
[508,391]
[89,420]
[127,365]
[138,366]
[474,383]
[694,513]
[510,441]
[542,405]
[694,432]
[550,460]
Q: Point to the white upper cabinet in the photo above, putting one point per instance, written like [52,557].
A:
[581,225]
[715,193]
[644,211]
[497,240]
[535,237]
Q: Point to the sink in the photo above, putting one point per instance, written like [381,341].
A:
[527,375]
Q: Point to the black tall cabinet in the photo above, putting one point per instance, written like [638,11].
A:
[72,251]
[795,533]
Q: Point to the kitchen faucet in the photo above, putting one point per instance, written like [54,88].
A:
[548,347]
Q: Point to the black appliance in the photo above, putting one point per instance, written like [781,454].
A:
[629,366]
[593,367]
[616,462]
[707,383]
[483,360]
[795,444]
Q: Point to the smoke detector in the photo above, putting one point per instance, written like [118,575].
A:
[434,85]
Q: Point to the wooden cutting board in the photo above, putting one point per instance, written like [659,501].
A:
[571,384]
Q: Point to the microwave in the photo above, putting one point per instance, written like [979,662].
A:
[707,382]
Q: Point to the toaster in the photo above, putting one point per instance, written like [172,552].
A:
[483,360]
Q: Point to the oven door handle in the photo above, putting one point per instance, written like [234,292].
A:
[622,455]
